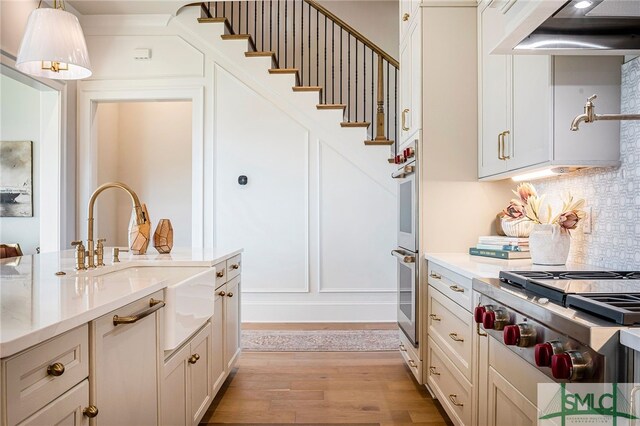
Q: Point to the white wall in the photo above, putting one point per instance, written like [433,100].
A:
[146,145]
[20,121]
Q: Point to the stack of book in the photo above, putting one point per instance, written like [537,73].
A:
[502,247]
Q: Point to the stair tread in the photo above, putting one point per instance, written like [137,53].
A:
[355,124]
[283,70]
[379,142]
[267,53]
[331,106]
[307,88]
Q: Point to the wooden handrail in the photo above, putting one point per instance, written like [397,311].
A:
[355,33]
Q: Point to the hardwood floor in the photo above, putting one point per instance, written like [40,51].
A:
[366,388]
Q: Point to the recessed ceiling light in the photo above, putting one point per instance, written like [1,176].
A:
[582,4]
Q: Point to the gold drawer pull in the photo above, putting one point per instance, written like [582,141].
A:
[412,363]
[402,348]
[235,266]
[194,358]
[436,276]
[56,369]
[454,336]
[405,17]
[220,274]
[154,305]
[480,333]
[229,294]
[433,371]
[90,411]
[434,317]
[454,400]
[456,288]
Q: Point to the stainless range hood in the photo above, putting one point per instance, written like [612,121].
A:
[571,27]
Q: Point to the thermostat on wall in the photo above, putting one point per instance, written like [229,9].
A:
[141,54]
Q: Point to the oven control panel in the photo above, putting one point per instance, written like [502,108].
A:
[556,355]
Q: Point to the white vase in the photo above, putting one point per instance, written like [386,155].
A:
[549,245]
[517,228]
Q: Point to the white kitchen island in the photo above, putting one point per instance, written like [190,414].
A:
[75,345]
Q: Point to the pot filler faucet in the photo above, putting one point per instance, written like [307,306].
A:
[91,252]
[590,115]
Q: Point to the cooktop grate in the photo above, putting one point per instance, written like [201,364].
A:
[622,308]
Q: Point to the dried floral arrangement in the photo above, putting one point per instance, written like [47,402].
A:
[529,206]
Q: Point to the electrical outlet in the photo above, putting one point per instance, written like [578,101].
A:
[588,221]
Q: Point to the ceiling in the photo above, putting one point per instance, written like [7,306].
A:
[118,7]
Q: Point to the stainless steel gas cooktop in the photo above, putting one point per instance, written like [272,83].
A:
[612,295]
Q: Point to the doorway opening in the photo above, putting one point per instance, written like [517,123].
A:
[148,146]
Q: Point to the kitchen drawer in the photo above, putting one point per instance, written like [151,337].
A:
[454,286]
[65,410]
[28,384]
[411,357]
[221,274]
[452,328]
[234,267]
[450,386]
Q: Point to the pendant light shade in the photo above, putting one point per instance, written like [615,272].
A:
[53,46]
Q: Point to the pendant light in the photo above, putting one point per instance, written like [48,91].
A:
[53,45]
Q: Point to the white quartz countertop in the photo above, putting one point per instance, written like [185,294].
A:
[36,304]
[486,267]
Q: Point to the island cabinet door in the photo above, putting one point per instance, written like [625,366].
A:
[217,363]
[125,364]
[175,389]
[507,406]
[232,322]
[200,382]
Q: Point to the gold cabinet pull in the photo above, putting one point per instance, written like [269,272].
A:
[56,369]
[402,348]
[229,294]
[194,358]
[504,156]
[500,146]
[404,119]
[456,288]
[434,317]
[222,293]
[235,266]
[412,363]
[405,17]
[454,400]
[220,274]
[435,276]
[480,332]
[154,305]
[454,337]
[90,411]
[433,371]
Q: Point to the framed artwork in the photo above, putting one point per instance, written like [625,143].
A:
[16,179]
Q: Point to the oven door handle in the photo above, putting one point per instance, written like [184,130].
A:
[404,172]
[403,256]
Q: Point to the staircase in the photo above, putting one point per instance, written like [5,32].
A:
[325,54]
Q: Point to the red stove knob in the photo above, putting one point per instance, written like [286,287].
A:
[543,354]
[511,335]
[478,313]
[561,366]
[488,320]
[397,159]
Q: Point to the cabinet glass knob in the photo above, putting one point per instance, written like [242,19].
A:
[56,369]
[90,411]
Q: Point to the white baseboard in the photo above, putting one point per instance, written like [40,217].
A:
[318,312]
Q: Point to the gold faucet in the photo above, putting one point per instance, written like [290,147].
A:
[140,219]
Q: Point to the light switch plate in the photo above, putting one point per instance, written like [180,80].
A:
[588,221]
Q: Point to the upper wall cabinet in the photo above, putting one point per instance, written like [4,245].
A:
[411,82]
[408,12]
[527,104]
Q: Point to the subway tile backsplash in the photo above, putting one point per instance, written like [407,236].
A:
[613,194]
